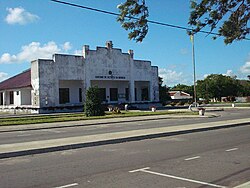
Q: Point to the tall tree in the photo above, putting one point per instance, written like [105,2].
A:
[232,16]
[217,86]
[163,92]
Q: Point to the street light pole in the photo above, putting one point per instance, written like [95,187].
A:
[193,59]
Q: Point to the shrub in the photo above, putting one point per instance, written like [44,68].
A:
[206,101]
[116,110]
[93,104]
[181,103]
[173,103]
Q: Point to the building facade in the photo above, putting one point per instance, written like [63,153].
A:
[61,82]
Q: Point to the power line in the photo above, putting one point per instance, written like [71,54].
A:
[116,14]
[149,21]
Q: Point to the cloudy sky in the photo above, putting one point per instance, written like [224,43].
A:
[37,29]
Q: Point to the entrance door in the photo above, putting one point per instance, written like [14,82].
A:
[113,94]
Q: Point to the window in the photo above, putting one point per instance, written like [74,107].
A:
[1,98]
[80,94]
[113,94]
[11,97]
[63,95]
[102,93]
[17,93]
[144,94]
[127,94]
[135,94]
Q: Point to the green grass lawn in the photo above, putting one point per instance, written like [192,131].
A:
[80,116]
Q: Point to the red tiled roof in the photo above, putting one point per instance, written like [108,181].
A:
[19,81]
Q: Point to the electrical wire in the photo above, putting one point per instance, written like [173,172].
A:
[149,21]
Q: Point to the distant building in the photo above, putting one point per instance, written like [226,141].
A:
[60,83]
[179,95]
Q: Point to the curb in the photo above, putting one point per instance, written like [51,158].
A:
[101,123]
[113,141]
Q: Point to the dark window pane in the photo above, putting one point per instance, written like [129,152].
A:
[144,94]
[135,94]
[113,94]
[1,98]
[11,97]
[127,94]
[63,95]
[80,94]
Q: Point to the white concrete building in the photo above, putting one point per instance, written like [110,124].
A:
[60,83]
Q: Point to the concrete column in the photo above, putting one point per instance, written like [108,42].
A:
[132,91]
[151,92]
[4,98]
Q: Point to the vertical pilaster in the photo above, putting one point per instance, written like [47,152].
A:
[132,91]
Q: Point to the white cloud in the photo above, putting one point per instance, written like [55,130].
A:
[33,51]
[171,77]
[230,73]
[245,69]
[205,76]
[67,46]
[20,16]
[78,52]
[3,76]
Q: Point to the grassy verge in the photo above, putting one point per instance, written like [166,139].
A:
[80,116]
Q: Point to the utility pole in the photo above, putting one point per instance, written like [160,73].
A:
[193,59]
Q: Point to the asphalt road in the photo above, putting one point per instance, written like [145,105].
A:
[215,158]
[45,134]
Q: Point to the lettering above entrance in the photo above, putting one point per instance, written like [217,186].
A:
[111,77]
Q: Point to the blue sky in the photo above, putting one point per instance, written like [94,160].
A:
[37,29]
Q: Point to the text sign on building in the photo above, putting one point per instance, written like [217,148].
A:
[111,77]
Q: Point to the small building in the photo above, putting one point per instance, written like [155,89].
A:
[60,83]
[179,95]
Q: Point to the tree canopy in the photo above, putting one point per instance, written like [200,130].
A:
[163,92]
[231,16]
[184,88]
[217,86]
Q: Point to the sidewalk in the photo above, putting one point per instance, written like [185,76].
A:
[13,128]
[43,146]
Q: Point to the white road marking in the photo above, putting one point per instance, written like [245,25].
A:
[233,149]
[69,185]
[175,177]
[23,135]
[192,158]
[137,170]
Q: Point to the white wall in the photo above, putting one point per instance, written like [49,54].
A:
[17,98]
[25,96]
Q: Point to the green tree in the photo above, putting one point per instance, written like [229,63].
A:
[244,88]
[231,15]
[163,92]
[93,104]
[217,86]
[184,88]
[133,17]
